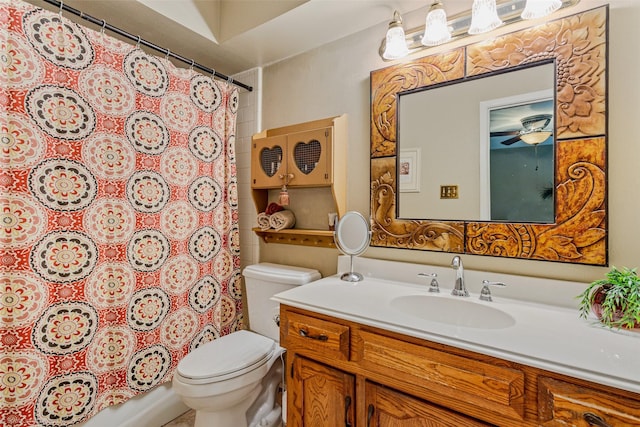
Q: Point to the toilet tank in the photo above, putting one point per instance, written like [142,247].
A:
[264,280]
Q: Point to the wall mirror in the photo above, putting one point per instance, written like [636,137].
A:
[430,189]
[352,237]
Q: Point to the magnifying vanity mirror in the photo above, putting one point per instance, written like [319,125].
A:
[352,236]
[447,176]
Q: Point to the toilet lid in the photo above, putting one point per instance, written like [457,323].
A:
[225,355]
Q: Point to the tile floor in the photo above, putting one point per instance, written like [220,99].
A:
[187,419]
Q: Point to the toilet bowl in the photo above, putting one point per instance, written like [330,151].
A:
[234,380]
[224,377]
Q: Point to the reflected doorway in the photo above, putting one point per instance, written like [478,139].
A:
[517,153]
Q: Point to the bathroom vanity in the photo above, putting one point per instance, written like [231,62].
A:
[384,352]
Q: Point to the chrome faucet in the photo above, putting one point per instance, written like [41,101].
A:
[459,289]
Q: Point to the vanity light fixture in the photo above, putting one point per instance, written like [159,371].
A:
[436,27]
[539,8]
[396,44]
[399,43]
[484,17]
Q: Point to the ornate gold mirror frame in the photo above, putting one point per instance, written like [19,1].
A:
[578,46]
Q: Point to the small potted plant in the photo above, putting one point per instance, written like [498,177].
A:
[615,300]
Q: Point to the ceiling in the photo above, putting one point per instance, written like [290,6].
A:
[232,36]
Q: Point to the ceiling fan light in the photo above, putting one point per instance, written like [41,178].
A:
[537,122]
[395,42]
[539,8]
[535,138]
[484,16]
[436,30]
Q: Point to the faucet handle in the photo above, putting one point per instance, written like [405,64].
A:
[434,286]
[485,293]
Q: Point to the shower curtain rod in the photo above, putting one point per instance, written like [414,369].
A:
[138,40]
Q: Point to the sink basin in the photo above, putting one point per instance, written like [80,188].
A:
[452,311]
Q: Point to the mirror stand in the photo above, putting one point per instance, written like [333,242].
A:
[351,276]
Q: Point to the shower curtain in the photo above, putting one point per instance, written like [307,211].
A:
[119,246]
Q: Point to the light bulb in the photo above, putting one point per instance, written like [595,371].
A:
[539,8]
[436,29]
[484,16]
[395,44]
[535,138]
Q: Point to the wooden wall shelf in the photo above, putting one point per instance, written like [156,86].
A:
[306,157]
[296,236]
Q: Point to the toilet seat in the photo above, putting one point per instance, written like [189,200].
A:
[225,358]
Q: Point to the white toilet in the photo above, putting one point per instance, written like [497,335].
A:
[233,381]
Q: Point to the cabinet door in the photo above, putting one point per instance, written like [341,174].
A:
[309,157]
[320,396]
[268,162]
[389,408]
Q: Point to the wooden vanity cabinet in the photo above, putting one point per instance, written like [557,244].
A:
[342,373]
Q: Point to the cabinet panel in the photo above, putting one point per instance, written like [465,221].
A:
[564,404]
[315,336]
[320,396]
[309,157]
[389,408]
[442,376]
[268,162]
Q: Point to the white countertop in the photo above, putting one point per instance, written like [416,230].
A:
[545,336]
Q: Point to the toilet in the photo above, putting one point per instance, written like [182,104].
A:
[233,381]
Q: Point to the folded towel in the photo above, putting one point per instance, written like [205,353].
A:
[273,208]
[283,219]
[263,221]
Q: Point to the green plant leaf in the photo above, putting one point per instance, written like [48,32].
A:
[621,304]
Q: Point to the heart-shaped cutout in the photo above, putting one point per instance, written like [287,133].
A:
[270,160]
[307,155]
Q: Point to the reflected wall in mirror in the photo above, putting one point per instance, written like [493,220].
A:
[577,229]
[476,145]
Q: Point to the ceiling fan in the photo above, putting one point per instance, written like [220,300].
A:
[532,132]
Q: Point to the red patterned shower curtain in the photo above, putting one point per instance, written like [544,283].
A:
[119,246]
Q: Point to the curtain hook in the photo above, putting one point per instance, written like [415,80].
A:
[61,7]
[230,80]
[104,24]
[213,74]
[166,57]
[138,43]
[192,64]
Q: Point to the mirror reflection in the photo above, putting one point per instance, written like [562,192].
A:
[479,149]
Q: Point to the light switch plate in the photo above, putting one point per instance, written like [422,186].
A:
[448,191]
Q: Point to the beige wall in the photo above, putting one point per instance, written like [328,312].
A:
[334,79]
